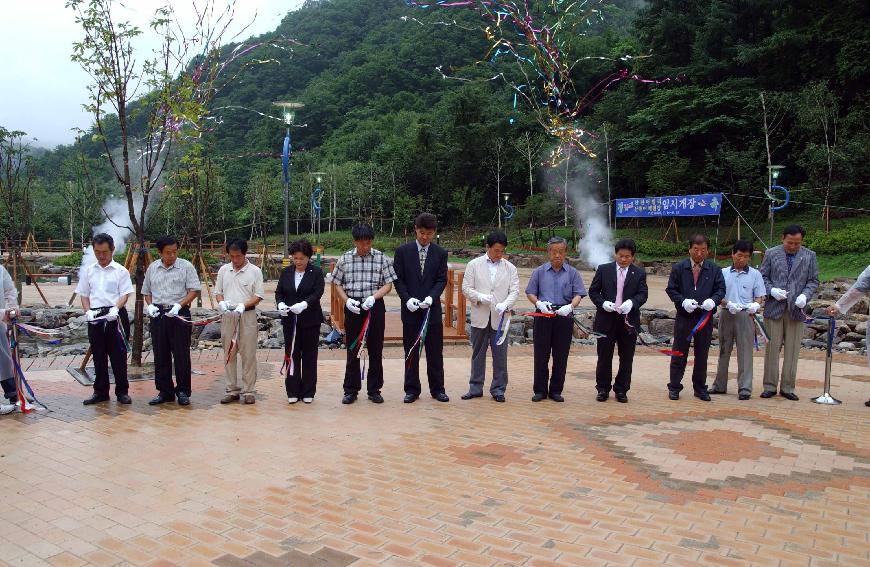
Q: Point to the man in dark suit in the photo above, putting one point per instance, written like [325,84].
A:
[696,287]
[421,268]
[791,278]
[618,290]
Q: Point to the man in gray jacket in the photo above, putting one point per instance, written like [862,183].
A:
[791,277]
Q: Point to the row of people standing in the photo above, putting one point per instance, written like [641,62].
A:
[364,275]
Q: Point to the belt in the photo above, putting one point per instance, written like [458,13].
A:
[164,307]
[104,310]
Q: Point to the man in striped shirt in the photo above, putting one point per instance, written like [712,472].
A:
[363,276]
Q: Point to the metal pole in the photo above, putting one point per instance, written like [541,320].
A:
[609,200]
[286,260]
[826,398]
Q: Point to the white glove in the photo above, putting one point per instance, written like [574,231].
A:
[240,308]
[626,306]
[90,315]
[369,302]
[174,311]
[733,308]
[412,304]
[352,305]
[10,314]
[298,308]
[501,307]
[800,301]
[544,307]
[753,307]
[283,306]
[690,305]
[484,298]
[565,310]
[426,303]
[708,305]
[223,306]
[609,306]
[112,314]
[152,311]
[778,294]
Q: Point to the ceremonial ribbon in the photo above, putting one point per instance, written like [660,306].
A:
[832,327]
[48,335]
[631,329]
[421,339]
[496,340]
[760,331]
[702,322]
[360,344]
[288,360]
[235,341]
[198,322]
[20,380]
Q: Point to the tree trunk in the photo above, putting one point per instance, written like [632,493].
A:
[138,319]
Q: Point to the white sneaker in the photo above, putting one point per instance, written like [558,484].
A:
[307,400]
[292,400]
[7,408]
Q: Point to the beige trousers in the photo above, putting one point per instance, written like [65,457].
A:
[246,349]
[785,334]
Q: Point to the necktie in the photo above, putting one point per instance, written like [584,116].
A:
[620,284]
[696,271]
[422,259]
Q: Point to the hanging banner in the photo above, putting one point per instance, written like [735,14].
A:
[709,204]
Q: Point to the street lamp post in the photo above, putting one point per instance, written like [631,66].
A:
[773,172]
[316,210]
[288,112]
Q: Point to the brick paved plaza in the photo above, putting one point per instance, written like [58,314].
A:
[653,482]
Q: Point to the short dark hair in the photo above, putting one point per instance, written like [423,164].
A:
[238,244]
[301,245]
[743,246]
[497,237]
[556,240]
[164,241]
[103,238]
[625,244]
[698,238]
[793,229]
[362,232]
[426,220]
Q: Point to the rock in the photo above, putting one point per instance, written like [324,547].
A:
[813,344]
[845,346]
[530,334]
[211,332]
[861,327]
[517,329]
[325,329]
[853,337]
[273,343]
[662,327]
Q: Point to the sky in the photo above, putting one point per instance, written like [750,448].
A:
[42,91]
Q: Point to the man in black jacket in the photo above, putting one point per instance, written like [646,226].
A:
[696,287]
[618,290]
[422,271]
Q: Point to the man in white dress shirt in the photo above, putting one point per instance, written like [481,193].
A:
[104,287]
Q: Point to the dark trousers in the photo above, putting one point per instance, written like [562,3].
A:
[701,342]
[552,336]
[302,383]
[375,345]
[170,339]
[107,345]
[433,345]
[624,341]
[9,391]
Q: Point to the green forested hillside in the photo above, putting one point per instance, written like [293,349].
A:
[393,136]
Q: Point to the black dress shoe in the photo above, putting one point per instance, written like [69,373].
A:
[183,400]
[867,403]
[499,398]
[715,392]
[469,395]
[557,397]
[538,397]
[767,394]
[673,395]
[602,396]
[789,396]
[95,399]
[410,398]
[125,399]
[376,398]
[621,397]
[160,399]
[703,396]
[441,397]
[743,396]
[348,399]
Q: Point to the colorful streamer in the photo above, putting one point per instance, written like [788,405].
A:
[419,341]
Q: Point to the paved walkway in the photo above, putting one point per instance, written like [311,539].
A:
[763,482]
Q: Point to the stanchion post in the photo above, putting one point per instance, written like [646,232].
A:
[826,398]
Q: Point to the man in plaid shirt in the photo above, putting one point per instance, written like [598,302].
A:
[363,276]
